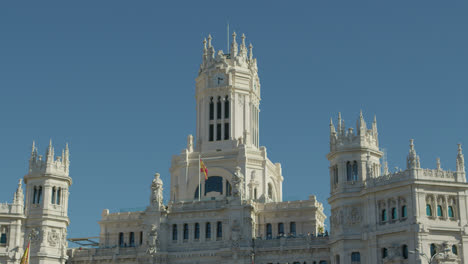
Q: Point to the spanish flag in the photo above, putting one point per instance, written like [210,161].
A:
[25,258]
[203,169]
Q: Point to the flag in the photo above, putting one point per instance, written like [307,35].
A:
[25,258]
[203,169]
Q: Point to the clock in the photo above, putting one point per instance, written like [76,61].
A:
[219,79]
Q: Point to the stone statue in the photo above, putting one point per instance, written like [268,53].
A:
[237,181]
[190,143]
[152,240]
[157,191]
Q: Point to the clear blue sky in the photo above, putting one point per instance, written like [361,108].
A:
[115,79]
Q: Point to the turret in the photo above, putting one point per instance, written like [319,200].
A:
[18,199]
[412,161]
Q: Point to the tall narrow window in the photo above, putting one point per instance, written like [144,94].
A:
[433,249]
[355,258]
[59,195]
[226,131]
[186,231]
[428,210]
[218,131]
[403,211]
[450,211]
[34,195]
[255,193]
[280,229]
[211,133]
[394,213]
[439,211]
[384,215]
[121,239]
[131,239]
[208,230]
[211,108]
[226,107]
[3,235]
[228,189]
[39,195]
[454,250]
[141,238]
[335,174]
[218,108]
[270,191]
[349,171]
[268,231]
[196,234]
[53,196]
[219,230]
[292,228]
[404,251]
[174,232]
[355,171]
[384,252]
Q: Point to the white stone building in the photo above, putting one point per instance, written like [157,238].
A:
[237,214]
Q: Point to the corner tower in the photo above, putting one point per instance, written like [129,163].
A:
[47,184]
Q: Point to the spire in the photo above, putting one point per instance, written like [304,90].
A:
[211,51]
[205,50]
[438,164]
[374,125]
[250,51]
[460,159]
[332,127]
[50,152]
[233,45]
[361,125]
[33,151]
[412,161]
[19,196]
[385,168]
[243,48]
[339,123]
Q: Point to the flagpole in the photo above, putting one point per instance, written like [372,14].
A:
[199,186]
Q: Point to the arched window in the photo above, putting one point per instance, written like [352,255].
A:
[174,232]
[211,108]
[186,231]
[355,171]
[34,195]
[280,229]
[433,250]
[196,234]
[404,251]
[439,211]
[214,184]
[394,213]
[270,191]
[349,171]
[131,240]
[384,215]
[428,210]
[226,107]
[53,196]
[208,230]
[228,189]
[268,231]
[355,257]
[255,193]
[403,211]
[384,252]
[121,239]
[454,250]
[292,228]
[3,235]
[219,229]
[335,174]
[218,108]
[59,194]
[39,195]
[450,211]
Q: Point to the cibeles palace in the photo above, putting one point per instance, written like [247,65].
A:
[238,214]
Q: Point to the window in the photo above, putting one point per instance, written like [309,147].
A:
[384,252]
[211,133]
[131,240]
[356,257]
[384,215]
[218,131]
[3,235]
[174,232]
[218,108]
[186,231]
[196,235]
[403,211]
[211,109]
[39,195]
[219,230]
[337,259]
[270,191]
[404,251]
[228,189]
[59,193]
[355,171]
[268,231]
[226,107]
[394,213]
[349,173]
[428,210]
[121,239]
[226,131]
[34,195]
[141,238]
[280,229]
[450,211]
[439,211]
[197,192]
[292,228]
[214,184]
[433,250]
[335,174]
[53,196]
[454,250]
[208,231]
[255,193]
[323,262]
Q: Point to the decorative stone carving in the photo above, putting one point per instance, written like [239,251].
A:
[34,235]
[237,181]
[152,240]
[53,238]
[157,192]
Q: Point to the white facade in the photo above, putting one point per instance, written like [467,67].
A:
[237,214]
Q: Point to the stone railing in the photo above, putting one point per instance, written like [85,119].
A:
[299,241]
[197,205]
[422,174]
[122,216]
[311,203]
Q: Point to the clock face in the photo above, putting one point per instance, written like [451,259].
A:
[219,79]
